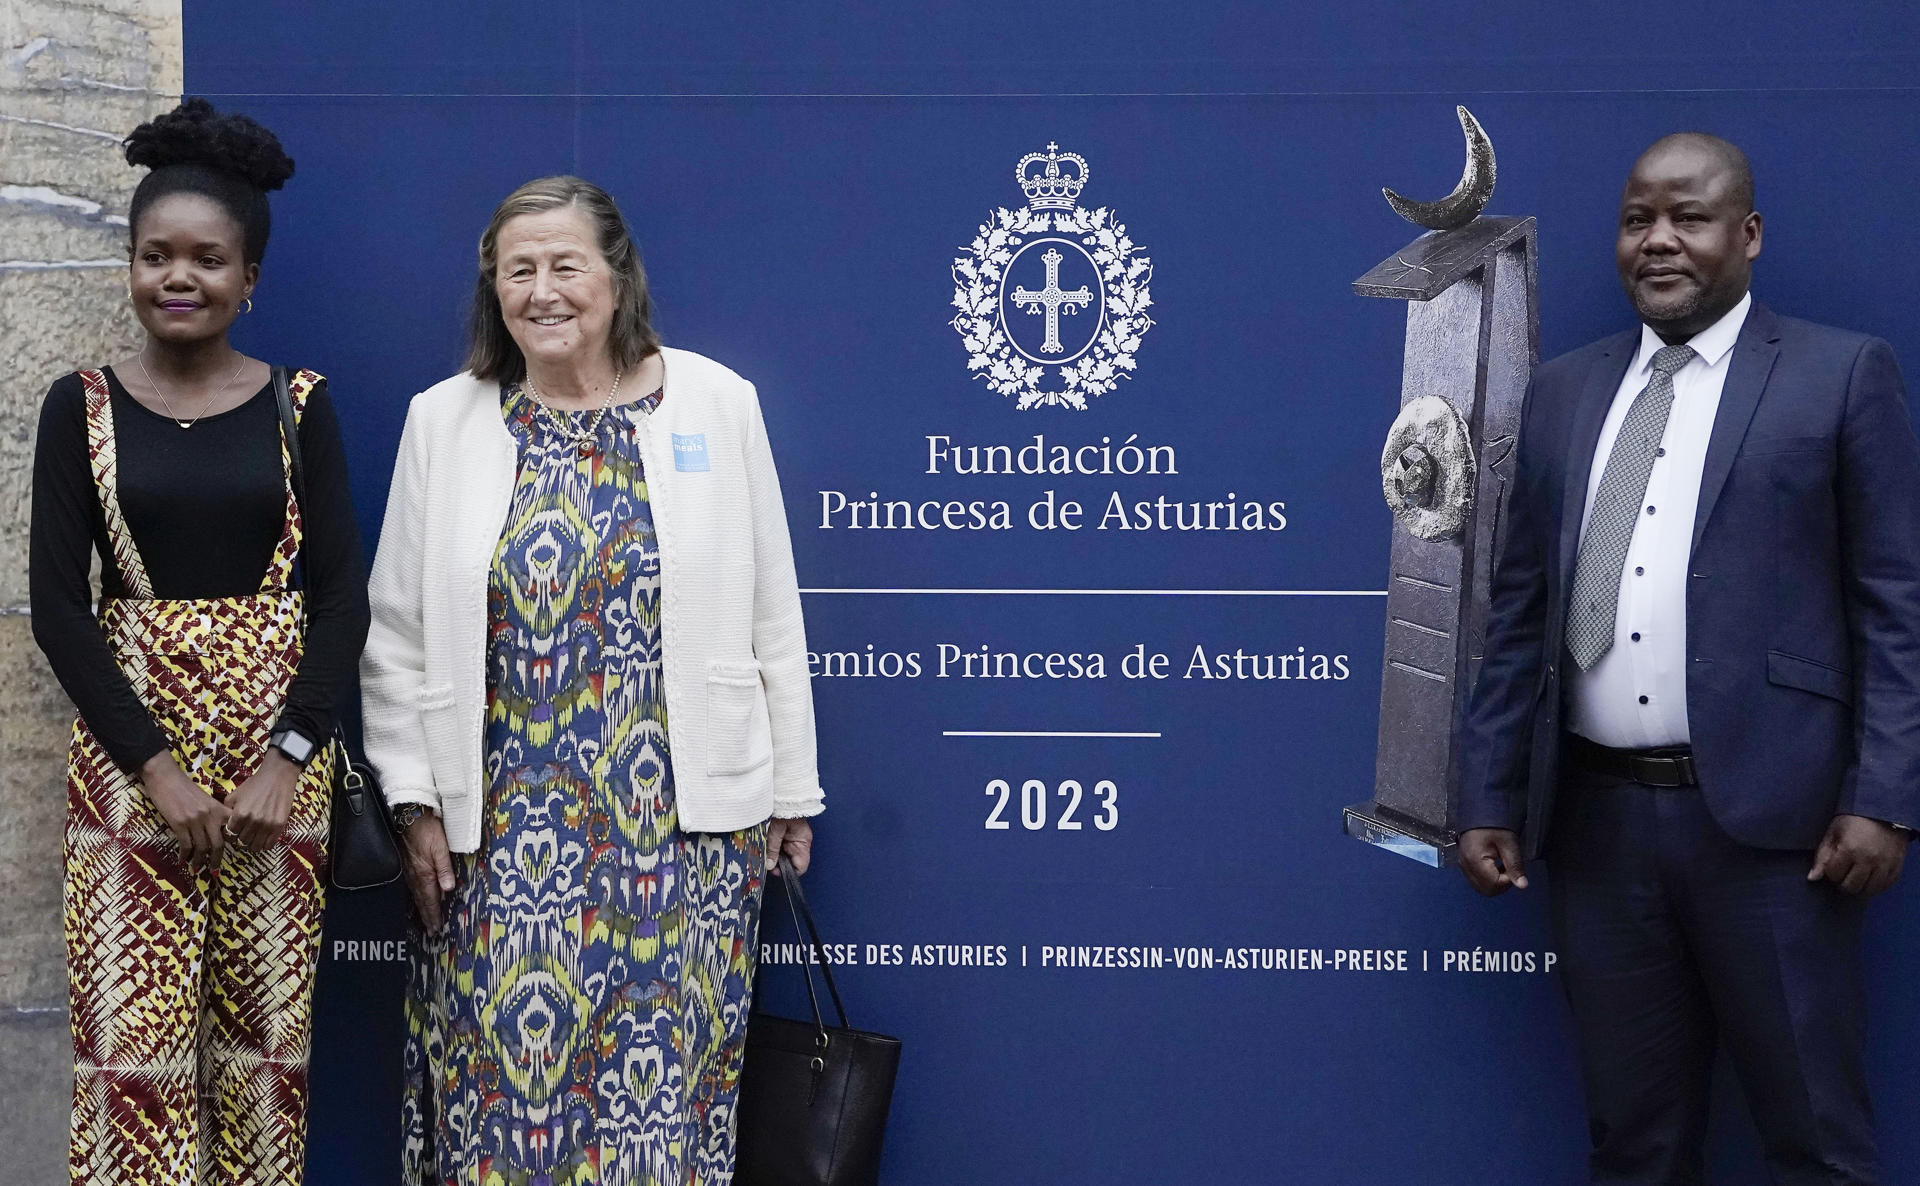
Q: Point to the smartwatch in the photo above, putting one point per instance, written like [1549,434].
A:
[297,747]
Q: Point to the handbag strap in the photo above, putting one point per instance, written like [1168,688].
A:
[297,475]
[797,901]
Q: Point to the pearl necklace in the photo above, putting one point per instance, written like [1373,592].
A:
[582,438]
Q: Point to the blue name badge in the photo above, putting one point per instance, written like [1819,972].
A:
[690,453]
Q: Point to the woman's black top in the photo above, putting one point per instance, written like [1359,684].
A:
[206,507]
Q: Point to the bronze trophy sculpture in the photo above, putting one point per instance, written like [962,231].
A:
[1472,341]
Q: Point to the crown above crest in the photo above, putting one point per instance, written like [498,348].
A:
[1049,188]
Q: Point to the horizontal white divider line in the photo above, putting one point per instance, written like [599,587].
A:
[1034,733]
[1116,592]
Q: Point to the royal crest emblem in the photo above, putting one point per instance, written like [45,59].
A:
[1052,297]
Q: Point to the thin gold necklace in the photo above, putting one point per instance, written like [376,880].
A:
[168,404]
[582,438]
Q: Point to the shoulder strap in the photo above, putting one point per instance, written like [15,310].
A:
[290,434]
[103,453]
[290,395]
[797,901]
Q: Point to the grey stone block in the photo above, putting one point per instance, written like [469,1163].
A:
[36,1062]
[35,722]
[57,226]
[74,79]
[68,319]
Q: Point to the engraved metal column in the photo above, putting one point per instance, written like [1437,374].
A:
[1472,340]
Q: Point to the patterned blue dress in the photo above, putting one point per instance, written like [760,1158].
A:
[581,1017]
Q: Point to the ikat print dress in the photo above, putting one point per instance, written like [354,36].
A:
[580,1019]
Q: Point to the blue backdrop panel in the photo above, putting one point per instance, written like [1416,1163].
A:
[801,184]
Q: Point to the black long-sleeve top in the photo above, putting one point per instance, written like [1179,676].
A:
[206,507]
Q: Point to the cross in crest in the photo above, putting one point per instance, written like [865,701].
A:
[1052,300]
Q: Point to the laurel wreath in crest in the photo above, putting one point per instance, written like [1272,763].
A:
[1124,273]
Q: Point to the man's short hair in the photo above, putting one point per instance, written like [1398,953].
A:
[1729,154]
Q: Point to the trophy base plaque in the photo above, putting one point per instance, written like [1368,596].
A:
[1398,834]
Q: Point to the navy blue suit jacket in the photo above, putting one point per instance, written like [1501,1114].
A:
[1803,593]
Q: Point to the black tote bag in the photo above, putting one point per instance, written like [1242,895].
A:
[361,852]
[813,1097]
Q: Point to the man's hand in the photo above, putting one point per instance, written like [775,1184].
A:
[792,837]
[1490,857]
[198,820]
[1860,855]
[429,866]
[262,804]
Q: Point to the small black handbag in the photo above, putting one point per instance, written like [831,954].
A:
[813,1097]
[361,852]
[360,848]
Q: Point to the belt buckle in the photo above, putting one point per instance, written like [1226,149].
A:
[1656,772]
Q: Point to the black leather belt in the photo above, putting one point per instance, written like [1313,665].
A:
[1670,766]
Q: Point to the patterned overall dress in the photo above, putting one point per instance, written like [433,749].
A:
[580,1020]
[191,988]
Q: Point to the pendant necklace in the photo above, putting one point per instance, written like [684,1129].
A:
[210,401]
[580,437]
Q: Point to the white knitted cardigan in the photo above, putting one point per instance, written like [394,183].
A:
[739,704]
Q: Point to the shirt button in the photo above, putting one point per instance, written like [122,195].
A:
[1639,572]
[1636,636]
[1643,699]
[1649,510]
[1659,452]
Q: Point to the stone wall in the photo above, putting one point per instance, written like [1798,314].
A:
[74,78]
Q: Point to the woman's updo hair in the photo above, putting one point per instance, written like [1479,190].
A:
[491,351]
[229,159]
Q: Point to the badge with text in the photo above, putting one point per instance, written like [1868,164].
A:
[1052,297]
[690,453]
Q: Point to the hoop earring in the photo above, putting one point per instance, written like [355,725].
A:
[248,307]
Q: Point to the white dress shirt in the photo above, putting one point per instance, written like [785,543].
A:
[1635,697]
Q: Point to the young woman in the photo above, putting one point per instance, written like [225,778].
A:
[198,778]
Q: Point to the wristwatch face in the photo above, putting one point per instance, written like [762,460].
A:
[297,748]
[405,815]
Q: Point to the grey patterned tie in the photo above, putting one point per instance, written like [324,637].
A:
[1616,509]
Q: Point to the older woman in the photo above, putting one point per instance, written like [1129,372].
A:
[586,695]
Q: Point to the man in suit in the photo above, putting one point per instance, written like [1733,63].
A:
[1700,698]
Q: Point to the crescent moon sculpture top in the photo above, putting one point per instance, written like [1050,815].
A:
[1468,198]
